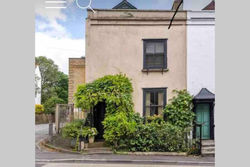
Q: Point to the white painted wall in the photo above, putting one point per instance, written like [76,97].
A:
[39,84]
[200,51]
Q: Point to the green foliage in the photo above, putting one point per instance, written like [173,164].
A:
[179,111]
[118,127]
[194,150]
[61,87]
[160,137]
[39,109]
[155,118]
[50,104]
[77,129]
[54,83]
[127,132]
[72,129]
[125,129]
[114,90]
[92,132]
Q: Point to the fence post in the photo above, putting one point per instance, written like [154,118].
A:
[57,116]
[200,138]
[71,112]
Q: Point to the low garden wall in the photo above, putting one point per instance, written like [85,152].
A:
[43,118]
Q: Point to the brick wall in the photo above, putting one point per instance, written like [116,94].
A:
[76,75]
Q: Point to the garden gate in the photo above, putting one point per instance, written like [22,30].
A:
[64,113]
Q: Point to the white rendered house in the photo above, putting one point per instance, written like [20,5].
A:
[200,51]
[38,86]
[201,69]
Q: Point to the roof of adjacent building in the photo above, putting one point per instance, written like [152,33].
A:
[124,5]
[204,94]
[210,6]
[176,3]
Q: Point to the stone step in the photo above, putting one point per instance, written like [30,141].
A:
[208,149]
[208,154]
[207,143]
[96,144]
[99,150]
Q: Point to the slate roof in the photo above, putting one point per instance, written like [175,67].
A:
[210,6]
[124,5]
[204,94]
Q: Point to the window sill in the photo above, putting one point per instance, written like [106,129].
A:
[155,70]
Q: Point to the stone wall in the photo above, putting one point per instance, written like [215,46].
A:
[43,118]
[76,75]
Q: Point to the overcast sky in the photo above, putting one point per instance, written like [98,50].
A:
[60,33]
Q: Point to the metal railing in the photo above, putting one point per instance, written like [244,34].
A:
[200,135]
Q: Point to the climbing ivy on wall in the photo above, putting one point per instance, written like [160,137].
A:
[114,90]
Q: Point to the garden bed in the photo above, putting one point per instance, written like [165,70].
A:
[59,144]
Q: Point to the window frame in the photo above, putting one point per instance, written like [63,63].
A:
[150,90]
[164,41]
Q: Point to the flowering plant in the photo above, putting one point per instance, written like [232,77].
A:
[92,132]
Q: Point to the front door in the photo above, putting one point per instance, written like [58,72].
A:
[203,117]
[99,115]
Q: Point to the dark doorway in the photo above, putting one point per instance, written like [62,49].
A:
[99,115]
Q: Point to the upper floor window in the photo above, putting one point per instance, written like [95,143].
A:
[155,54]
[154,100]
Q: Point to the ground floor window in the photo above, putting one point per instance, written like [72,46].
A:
[154,100]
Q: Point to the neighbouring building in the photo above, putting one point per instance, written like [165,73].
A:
[201,66]
[38,85]
[76,77]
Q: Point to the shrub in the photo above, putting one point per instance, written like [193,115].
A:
[157,137]
[50,105]
[71,130]
[179,111]
[39,109]
[155,118]
[76,130]
[118,127]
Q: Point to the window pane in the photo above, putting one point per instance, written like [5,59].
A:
[152,100]
[158,60]
[156,98]
[147,113]
[159,47]
[160,98]
[150,60]
[154,54]
[160,110]
[155,60]
[153,111]
[147,99]
[150,48]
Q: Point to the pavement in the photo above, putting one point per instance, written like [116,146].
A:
[46,158]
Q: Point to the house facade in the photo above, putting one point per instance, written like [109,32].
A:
[139,44]
[158,60]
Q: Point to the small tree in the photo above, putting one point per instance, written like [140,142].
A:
[50,105]
[179,111]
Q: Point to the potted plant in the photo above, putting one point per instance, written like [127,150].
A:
[92,132]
